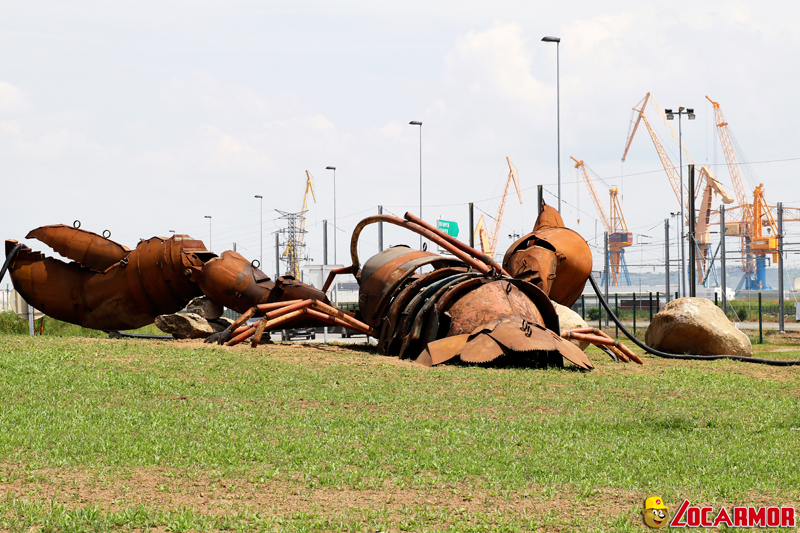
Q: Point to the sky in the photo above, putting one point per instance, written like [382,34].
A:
[145,117]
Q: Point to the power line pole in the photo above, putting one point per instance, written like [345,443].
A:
[666,259]
[380,230]
[692,249]
[780,268]
[605,239]
[724,280]
[471,225]
[277,256]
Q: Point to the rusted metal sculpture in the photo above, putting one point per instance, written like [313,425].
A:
[420,305]
[552,257]
[466,309]
[109,287]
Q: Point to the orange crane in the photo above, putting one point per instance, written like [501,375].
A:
[705,177]
[488,239]
[749,220]
[619,237]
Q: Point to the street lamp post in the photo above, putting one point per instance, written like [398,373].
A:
[261,252]
[209,232]
[671,116]
[418,123]
[335,289]
[557,40]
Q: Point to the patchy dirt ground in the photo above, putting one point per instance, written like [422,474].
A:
[211,495]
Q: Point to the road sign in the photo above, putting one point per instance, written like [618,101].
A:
[448,226]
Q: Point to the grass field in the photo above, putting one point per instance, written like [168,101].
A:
[120,435]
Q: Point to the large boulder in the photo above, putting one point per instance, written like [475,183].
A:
[189,325]
[695,326]
[569,319]
[205,308]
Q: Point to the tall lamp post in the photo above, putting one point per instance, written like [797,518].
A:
[557,40]
[418,123]
[209,232]
[261,252]
[335,291]
[671,116]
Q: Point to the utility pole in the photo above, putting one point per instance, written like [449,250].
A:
[380,230]
[666,259]
[606,270]
[324,263]
[540,199]
[780,268]
[471,225]
[692,249]
[277,255]
[324,243]
[724,279]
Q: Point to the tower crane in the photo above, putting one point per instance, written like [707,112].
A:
[296,242]
[752,219]
[619,237]
[488,239]
[705,177]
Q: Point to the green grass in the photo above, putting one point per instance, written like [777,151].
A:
[11,324]
[100,435]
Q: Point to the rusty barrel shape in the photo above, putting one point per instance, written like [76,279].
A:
[456,314]
[232,281]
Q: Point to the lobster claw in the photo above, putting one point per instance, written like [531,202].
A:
[107,286]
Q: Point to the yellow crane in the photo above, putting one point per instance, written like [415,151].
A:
[296,242]
[619,237]
[749,220]
[488,239]
[704,177]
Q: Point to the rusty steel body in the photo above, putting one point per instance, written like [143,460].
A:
[552,257]
[109,287]
[464,310]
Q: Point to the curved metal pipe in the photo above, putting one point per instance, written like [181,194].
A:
[416,228]
[9,258]
[458,244]
[666,355]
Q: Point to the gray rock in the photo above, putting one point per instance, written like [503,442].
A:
[188,325]
[569,319]
[205,308]
[696,326]
[222,322]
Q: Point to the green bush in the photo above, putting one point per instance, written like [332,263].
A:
[593,313]
[742,314]
[10,323]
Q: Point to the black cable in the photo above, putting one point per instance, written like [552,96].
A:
[666,355]
[122,334]
[9,258]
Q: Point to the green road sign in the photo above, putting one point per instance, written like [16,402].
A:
[448,226]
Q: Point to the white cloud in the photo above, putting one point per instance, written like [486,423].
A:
[10,126]
[497,60]
[12,99]
[228,149]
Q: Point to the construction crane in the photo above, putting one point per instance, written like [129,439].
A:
[297,235]
[488,239]
[749,220]
[619,237]
[705,179]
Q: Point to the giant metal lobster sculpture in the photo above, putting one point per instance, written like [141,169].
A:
[466,308]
